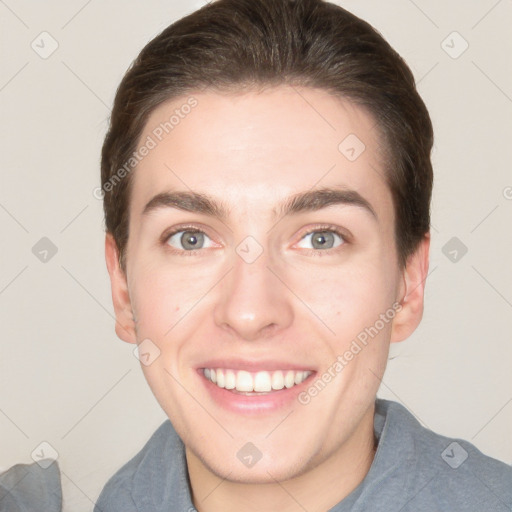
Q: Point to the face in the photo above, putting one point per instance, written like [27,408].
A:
[232,281]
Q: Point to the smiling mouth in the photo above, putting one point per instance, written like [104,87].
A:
[255,383]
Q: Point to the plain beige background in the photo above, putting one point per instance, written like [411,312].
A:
[65,378]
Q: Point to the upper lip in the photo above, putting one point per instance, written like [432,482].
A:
[254,365]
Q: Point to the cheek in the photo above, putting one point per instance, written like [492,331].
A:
[158,306]
[351,298]
[162,296]
[161,302]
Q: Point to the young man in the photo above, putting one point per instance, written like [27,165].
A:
[267,184]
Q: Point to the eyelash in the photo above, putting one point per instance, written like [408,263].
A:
[323,227]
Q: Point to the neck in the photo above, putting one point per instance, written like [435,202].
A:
[317,489]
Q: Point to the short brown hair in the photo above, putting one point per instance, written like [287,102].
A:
[235,45]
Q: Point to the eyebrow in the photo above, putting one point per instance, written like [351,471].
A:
[312,200]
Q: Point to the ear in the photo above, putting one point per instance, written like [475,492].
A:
[125,324]
[412,292]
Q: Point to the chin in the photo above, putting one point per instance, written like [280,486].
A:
[262,472]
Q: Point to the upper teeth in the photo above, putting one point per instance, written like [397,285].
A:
[260,381]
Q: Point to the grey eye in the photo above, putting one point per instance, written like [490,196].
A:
[189,240]
[323,239]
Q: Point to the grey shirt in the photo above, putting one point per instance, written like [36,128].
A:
[31,488]
[414,470]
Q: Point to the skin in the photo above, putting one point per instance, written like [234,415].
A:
[252,151]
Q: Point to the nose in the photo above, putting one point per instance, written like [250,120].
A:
[254,303]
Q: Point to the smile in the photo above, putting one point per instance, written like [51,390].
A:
[255,382]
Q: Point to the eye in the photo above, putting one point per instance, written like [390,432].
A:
[323,239]
[187,239]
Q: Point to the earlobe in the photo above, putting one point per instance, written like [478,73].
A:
[411,294]
[125,321]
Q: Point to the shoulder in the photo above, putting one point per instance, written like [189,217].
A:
[465,476]
[450,473]
[118,493]
[35,486]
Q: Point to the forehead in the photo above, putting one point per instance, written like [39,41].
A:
[254,148]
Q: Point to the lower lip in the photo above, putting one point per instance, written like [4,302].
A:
[253,404]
